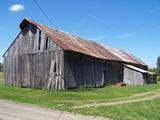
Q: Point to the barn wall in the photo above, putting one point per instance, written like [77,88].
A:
[114,72]
[132,77]
[35,70]
[28,65]
[82,71]
[85,71]
[27,42]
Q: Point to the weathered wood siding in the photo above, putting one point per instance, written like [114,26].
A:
[28,65]
[133,77]
[85,71]
[82,71]
[27,42]
[114,72]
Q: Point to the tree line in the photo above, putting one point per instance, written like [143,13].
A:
[156,69]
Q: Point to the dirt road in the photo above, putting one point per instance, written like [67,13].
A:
[156,95]
[14,111]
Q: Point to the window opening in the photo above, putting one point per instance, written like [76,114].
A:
[39,40]
[46,47]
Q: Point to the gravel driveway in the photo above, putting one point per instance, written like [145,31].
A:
[15,111]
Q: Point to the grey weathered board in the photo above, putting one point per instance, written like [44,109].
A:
[85,71]
[32,70]
[133,77]
[27,66]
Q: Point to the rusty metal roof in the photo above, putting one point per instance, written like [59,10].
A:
[74,43]
[127,57]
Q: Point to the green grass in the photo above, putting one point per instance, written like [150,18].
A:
[65,100]
[148,110]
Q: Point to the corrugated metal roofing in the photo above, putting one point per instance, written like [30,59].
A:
[124,55]
[77,44]
[136,68]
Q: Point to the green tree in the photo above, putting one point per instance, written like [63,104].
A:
[158,62]
[152,69]
[1,67]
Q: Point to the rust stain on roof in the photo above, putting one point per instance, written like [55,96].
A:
[74,43]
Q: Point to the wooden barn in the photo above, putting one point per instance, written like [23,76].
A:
[43,57]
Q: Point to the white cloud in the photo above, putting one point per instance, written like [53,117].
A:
[16,8]
[127,35]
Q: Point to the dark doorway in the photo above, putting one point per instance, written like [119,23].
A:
[104,76]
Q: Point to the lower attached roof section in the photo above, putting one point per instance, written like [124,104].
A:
[136,68]
[139,69]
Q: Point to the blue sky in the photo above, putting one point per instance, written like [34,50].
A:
[132,25]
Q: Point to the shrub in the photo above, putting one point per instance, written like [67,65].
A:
[1,67]
[158,78]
